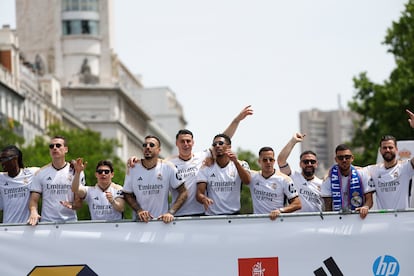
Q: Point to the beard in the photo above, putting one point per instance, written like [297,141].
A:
[389,156]
[309,172]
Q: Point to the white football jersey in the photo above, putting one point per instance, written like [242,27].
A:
[151,187]
[99,206]
[392,185]
[15,194]
[268,193]
[187,171]
[55,186]
[309,192]
[223,187]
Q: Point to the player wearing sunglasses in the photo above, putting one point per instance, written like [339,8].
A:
[347,188]
[53,183]
[306,182]
[105,199]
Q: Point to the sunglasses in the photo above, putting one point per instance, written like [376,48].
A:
[268,159]
[342,157]
[52,146]
[148,144]
[103,171]
[220,143]
[7,158]
[309,161]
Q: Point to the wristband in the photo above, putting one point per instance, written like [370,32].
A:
[284,166]
[171,211]
[281,210]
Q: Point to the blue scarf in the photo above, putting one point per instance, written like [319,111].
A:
[355,191]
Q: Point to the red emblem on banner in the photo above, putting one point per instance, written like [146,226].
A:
[259,267]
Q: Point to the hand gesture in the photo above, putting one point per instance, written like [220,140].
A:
[411,119]
[131,161]
[232,156]
[109,197]
[274,214]
[166,218]
[298,137]
[244,113]
[145,216]
[207,202]
[33,219]
[79,165]
[67,204]
[363,211]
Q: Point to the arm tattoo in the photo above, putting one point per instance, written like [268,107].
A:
[132,201]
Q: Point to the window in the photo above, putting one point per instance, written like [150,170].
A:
[77,27]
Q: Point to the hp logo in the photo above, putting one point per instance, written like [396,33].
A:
[386,266]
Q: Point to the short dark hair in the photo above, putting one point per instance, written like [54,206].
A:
[222,135]
[183,132]
[265,149]
[342,147]
[15,151]
[307,152]
[105,163]
[388,138]
[60,137]
[155,137]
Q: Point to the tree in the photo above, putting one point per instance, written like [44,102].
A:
[245,197]
[382,106]
[82,143]
[8,135]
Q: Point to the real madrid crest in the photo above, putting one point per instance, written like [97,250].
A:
[356,199]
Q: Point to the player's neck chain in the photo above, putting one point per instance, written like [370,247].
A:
[58,169]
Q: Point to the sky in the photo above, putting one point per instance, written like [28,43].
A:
[281,57]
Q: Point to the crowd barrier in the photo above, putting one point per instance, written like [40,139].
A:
[294,244]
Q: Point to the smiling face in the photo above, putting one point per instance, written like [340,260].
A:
[308,164]
[184,144]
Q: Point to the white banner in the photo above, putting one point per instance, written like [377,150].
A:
[294,244]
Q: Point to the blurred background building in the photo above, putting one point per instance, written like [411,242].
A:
[59,66]
[324,131]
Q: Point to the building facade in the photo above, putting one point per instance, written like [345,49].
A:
[67,49]
[324,131]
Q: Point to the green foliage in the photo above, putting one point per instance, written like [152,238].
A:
[382,106]
[87,144]
[245,198]
[8,135]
